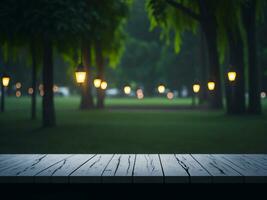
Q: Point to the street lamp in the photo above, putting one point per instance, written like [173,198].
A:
[104,85]
[161,88]
[5,79]
[97,83]
[196,90]
[80,74]
[211,85]
[127,90]
[231,76]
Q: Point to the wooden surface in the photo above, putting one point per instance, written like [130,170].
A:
[133,168]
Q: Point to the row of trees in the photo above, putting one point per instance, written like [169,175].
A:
[229,28]
[89,32]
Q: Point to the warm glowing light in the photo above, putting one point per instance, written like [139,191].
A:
[41,87]
[196,88]
[55,88]
[211,85]
[97,82]
[170,95]
[161,89]
[140,94]
[30,91]
[80,77]
[41,93]
[5,81]
[263,95]
[104,85]
[127,89]
[18,85]
[231,76]
[18,94]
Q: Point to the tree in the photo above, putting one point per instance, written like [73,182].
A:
[47,21]
[186,16]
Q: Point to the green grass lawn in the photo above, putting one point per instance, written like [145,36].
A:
[111,131]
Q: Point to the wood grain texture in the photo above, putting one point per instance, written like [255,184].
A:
[119,169]
[136,168]
[147,169]
[252,171]
[59,173]
[92,170]
[220,169]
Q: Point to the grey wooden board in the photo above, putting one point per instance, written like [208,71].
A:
[92,170]
[197,174]
[147,169]
[174,172]
[259,158]
[59,173]
[220,169]
[247,166]
[119,169]
[140,168]
[27,173]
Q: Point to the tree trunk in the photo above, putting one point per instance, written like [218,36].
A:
[203,96]
[249,14]
[34,84]
[2,96]
[100,74]
[210,30]
[87,97]
[235,91]
[49,119]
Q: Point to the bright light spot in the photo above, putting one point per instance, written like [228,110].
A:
[211,85]
[104,85]
[140,94]
[18,94]
[170,95]
[97,83]
[30,91]
[161,89]
[18,85]
[5,81]
[41,93]
[41,87]
[80,77]
[263,95]
[55,88]
[127,89]
[232,76]
[196,88]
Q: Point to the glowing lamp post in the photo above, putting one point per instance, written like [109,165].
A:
[5,79]
[231,76]
[104,85]
[196,90]
[97,83]
[127,90]
[211,85]
[80,74]
[161,89]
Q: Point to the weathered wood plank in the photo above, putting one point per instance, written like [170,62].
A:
[42,164]
[174,172]
[251,170]
[197,174]
[119,169]
[59,173]
[258,158]
[16,160]
[10,169]
[92,170]
[220,169]
[147,169]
